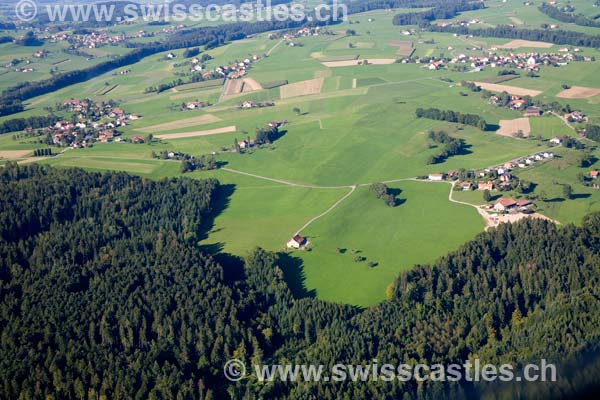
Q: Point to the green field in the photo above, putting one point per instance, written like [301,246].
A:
[361,128]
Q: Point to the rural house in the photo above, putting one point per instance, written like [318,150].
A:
[504,204]
[296,242]
[436,177]
[485,186]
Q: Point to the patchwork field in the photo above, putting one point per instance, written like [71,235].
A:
[349,63]
[512,126]
[405,48]
[312,86]
[181,123]
[208,132]
[578,92]
[13,154]
[508,89]
[517,44]
[251,85]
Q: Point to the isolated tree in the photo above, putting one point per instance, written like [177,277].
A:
[296,110]
[487,196]
[567,191]
[149,138]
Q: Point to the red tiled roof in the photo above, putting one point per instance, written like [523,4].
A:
[299,239]
[506,202]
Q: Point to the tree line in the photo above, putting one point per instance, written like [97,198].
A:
[452,116]
[452,146]
[577,19]
[442,10]
[33,122]
[505,31]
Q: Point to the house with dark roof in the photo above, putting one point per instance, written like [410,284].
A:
[296,242]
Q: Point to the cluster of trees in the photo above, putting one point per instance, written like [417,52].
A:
[203,163]
[577,19]
[383,192]
[505,72]
[452,146]
[29,39]
[105,293]
[452,116]
[164,86]
[42,152]
[473,87]
[193,52]
[442,10]
[267,134]
[6,39]
[504,31]
[33,122]
[593,132]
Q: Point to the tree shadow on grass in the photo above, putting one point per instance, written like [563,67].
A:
[580,196]
[233,266]
[219,204]
[293,273]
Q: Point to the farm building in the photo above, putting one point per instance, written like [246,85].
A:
[436,177]
[523,203]
[532,112]
[296,242]
[485,186]
[504,204]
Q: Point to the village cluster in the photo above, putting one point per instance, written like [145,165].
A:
[234,70]
[290,36]
[91,122]
[495,178]
[530,62]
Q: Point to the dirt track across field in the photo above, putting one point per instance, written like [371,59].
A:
[494,87]
[578,92]
[181,135]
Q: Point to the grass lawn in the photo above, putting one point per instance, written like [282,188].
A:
[421,229]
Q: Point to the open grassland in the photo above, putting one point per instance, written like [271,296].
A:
[393,238]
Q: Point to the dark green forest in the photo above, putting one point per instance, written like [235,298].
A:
[104,293]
